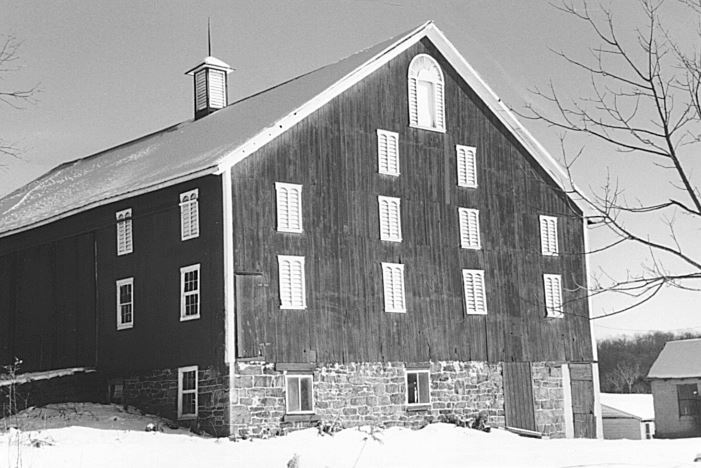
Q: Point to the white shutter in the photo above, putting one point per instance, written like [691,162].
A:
[439,107]
[553,295]
[289,207]
[388,152]
[390,218]
[292,282]
[548,235]
[469,228]
[217,90]
[201,90]
[124,233]
[393,285]
[467,166]
[189,215]
[413,103]
[475,296]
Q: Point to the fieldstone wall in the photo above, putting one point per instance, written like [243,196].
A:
[157,392]
[366,393]
[549,398]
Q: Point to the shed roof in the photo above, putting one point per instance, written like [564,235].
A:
[626,405]
[214,143]
[678,359]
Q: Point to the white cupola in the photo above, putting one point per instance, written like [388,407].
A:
[210,80]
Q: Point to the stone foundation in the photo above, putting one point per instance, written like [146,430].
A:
[549,399]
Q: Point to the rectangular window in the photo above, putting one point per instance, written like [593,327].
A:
[291,277]
[418,387]
[467,166]
[124,236]
[388,152]
[289,207]
[553,295]
[548,235]
[189,215]
[688,397]
[190,292]
[125,303]
[475,297]
[390,219]
[393,282]
[300,390]
[187,392]
[469,228]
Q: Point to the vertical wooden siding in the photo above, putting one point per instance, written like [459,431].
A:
[333,154]
[518,395]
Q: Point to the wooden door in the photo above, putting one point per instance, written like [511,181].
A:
[518,395]
[582,383]
[251,315]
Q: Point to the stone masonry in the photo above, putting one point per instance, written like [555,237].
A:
[548,396]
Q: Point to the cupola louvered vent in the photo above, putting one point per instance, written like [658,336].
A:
[210,86]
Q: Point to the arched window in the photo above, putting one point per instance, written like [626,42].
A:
[426,105]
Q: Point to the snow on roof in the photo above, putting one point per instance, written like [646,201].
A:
[214,143]
[678,359]
[627,404]
[5,380]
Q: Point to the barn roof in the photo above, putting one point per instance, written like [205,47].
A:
[214,143]
[678,359]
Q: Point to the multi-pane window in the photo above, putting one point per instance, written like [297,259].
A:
[300,397]
[289,207]
[388,152]
[125,303]
[418,387]
[469,228]
[291,278]
[475,297]
[190,292]
[426,102]
[467,166]
[124,236]
[187,392]
[548,235]
[189,215]
[553,295]
[688,398]
[390,218]
[393,282]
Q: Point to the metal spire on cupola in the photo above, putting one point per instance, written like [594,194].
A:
[210,82]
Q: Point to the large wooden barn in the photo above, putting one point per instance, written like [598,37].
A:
[376,241]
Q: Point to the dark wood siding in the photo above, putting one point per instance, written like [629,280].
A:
[61,295]
[333,154]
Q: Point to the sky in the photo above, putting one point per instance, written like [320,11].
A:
[109,72]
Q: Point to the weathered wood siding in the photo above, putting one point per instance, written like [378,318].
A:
[333,153]
[518,395]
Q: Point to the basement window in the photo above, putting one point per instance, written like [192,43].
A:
[418,387]
[300,393]
[688,398]
[187,392]
[189,215]
[124,235]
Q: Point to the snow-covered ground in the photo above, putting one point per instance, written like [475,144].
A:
[95,436]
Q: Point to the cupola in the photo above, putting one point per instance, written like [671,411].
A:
[210,80]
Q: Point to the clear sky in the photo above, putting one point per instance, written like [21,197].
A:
[113,71]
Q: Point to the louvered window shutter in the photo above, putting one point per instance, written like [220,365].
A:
[289,207]
[413,102]
[390,219]
[189,215]
[548,235]
[469,228]
[439,107]
[467,166]
[553,295]
[393,283]
[292,282]
[201,90]
[475,296]
[124,232]
[388,152]
[217,89]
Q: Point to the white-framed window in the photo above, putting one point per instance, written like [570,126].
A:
[189,215]
[300,393]
[190,292]
[469,228]
[467,165]
[475,295]
[289,207]
[418,387]
[124,234]
[292,284]
[553,295]
[426,94]
[125,303]
[187,392]
[548,235]
[387,152]
[390,218]
[393,284]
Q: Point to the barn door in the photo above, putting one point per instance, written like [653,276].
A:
[518,395]
[251,315]
[582,384]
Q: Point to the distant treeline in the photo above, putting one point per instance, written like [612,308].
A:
[625,361]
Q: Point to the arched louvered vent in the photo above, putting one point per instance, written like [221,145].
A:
[426,94]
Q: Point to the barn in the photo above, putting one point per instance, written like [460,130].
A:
[378,241]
